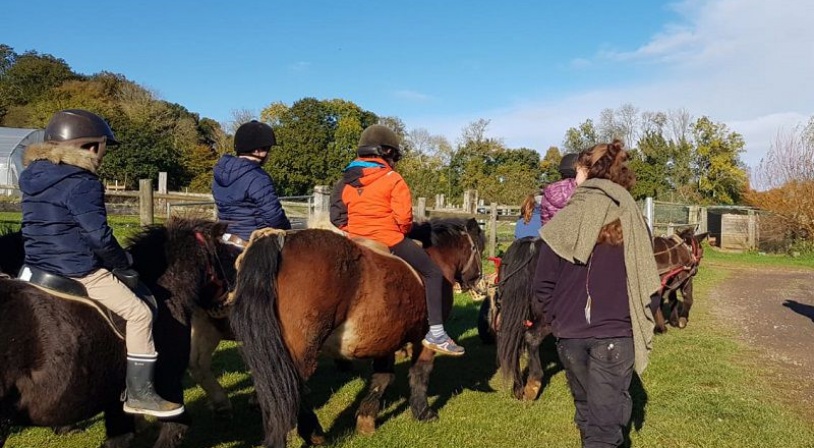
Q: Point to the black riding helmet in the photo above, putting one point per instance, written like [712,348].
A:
[253,135]
[79,127]
[379,140]
[568,165]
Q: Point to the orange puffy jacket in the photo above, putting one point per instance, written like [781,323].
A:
[372,201]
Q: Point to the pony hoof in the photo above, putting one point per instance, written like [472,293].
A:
[122,441]
[224,414]
[317,440]
[253,401]
[428,416]
[682,322]
[68,429]
[532,390]
[366,425]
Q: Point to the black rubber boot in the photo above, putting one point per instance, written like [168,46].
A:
[141,395]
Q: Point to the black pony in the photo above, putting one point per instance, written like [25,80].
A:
[11,251]
[60,363]
[513,314]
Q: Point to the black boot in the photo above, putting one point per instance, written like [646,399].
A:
[141,396]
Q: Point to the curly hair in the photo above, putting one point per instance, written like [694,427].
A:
[526,210]
[609,161]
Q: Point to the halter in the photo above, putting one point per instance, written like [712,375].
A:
[694,249]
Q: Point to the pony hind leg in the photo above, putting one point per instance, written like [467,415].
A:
[119,427]
[534,381]
[661,324]
[419,381]
[686,305]
[674,305]
[205,339]
[308,426]
[7,412]
[173,431]
[383,376]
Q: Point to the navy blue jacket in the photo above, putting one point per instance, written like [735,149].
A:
[65,226]
[245,197]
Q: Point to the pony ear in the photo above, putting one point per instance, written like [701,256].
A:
[219,229]
[472,224]
[701,236]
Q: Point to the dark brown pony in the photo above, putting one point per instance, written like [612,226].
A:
[678,258]
[59,361]
[315,290]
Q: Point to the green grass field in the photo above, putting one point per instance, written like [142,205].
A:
[702,389]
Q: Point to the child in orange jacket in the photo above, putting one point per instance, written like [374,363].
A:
[373,201]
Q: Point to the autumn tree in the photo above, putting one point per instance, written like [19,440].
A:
[550,165]
[786,177]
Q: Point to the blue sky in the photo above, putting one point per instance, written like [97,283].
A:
[533,68]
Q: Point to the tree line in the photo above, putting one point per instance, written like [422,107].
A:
[676,157]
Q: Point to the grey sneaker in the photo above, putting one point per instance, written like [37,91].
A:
[444,346]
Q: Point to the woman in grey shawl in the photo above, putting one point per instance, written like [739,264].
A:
[593,286]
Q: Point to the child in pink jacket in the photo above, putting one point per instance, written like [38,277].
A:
[556,194]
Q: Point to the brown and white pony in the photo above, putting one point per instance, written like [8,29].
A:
[315,291]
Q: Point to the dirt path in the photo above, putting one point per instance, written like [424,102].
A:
[773,308]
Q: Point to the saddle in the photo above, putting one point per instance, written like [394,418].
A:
[69,289]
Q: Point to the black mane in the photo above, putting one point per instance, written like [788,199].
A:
[441,232]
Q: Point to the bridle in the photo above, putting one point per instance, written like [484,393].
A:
[474,257]
[216,277]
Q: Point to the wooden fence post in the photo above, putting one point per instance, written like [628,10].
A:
[752,229]
[702,220]
[322,205]
[421,209]
[145,201]
[493,230]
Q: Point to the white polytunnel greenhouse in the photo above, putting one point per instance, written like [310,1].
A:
[13,142]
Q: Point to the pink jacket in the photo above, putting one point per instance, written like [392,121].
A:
[555,196]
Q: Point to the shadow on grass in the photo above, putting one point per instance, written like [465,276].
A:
[639,396]
[450,376]
[800,308]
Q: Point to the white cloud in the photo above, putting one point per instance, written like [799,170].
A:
[299,66]
[411,95]
[747,63]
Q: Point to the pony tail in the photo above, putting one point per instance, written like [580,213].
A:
[515,294]
[255,323]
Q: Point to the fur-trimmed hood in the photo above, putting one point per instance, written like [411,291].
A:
[47,164]
[62,154]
